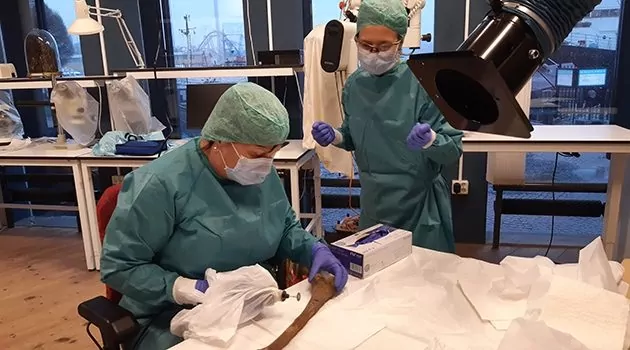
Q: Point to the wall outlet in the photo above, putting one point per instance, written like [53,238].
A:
[117,179]
[459,187]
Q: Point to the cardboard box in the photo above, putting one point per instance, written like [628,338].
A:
[367,252]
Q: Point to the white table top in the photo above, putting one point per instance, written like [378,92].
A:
[559,133]
[173,143]
[289,153]
[545,138]
[213,72]
[554,138]
[38,149]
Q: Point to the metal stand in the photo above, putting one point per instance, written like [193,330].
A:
[61,135]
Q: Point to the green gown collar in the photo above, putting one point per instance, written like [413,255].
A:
[206,162]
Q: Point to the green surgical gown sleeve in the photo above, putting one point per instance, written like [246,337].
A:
[447,147]
[141,224]
[296,243]
[346,143]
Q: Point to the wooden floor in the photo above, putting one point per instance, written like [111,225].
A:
[43,279]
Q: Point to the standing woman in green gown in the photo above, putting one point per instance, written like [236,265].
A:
[400,139]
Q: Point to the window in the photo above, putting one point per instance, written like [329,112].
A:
[206,34]
[574,87]
[58,16]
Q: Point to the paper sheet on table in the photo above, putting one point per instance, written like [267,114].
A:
[594,268]
[387,338]
[596,317]
[501,299]
[527,335]
[342,327]
[430,308]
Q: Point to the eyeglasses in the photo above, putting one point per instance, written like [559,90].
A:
[376,48]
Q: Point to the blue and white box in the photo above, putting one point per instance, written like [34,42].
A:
[369,251]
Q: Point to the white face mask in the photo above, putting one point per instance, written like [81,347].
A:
[378,63]
[249,171]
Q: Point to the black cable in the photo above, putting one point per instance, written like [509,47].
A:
[553,192]
[160,46]
[87,328]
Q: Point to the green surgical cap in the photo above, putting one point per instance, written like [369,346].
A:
[249,114]
[389,13]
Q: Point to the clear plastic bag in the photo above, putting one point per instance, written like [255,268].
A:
[11,126]
[77,111]
[232,299]
[130,107]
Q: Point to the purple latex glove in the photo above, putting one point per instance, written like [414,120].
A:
[420,137]
[323,133]
[202,285]
[324,260]
[188,291]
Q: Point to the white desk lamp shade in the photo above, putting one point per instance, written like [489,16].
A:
[84,24]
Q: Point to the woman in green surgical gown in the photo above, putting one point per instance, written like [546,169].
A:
[214,202]
[400,139]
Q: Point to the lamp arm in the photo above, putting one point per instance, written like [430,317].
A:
[104,12]
[124,30]
[131,44]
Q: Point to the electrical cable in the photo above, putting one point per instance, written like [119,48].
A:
[553,193]
[339,85]
[284,94]
[160,46]
[553,200]
[299,89]
[87,328]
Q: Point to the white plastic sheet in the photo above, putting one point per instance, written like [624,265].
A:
[130,107]
[77,111]
[11,126]
[232,299]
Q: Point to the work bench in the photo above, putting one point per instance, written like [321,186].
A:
[293,157]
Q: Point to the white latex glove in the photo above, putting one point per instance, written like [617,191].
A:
[233,298]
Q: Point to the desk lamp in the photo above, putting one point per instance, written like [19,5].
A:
[85,25]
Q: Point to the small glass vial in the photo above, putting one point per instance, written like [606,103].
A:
[42,54]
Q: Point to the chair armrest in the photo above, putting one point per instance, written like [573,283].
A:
[116,324]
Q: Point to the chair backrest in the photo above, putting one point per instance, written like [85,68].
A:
[104,210]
